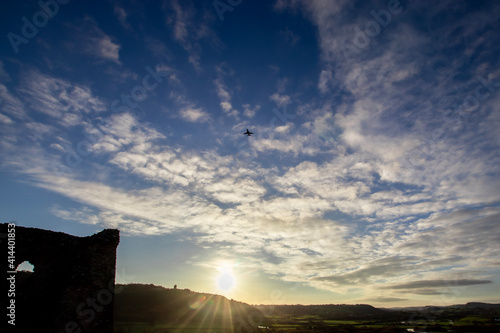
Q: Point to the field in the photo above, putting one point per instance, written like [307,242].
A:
[284,324]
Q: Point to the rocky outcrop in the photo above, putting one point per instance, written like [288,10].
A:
[72,285]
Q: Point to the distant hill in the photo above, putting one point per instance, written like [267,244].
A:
[155,305]
[327,311]
[454,312]
[468,307]
[368,312]
[479,305]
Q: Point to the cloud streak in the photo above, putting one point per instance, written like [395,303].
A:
[438,283]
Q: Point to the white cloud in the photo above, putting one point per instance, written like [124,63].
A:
[280,100]
[180,24]
[229,190]
[4,76]
[325,79]
[250,112]
[5,119]
[120,131]
[57,146]
[224,94]
[188,30]
[60,99]
[122,15]
[107,49]
[284,128]
[10,104]
[194,114]
[93,41]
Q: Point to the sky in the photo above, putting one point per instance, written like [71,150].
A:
[372,175]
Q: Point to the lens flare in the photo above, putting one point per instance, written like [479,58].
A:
[197,303]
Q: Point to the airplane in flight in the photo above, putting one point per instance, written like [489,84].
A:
[248,133]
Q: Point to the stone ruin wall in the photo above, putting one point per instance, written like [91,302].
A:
[72,285]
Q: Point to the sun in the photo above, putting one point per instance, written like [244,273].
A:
[225,280]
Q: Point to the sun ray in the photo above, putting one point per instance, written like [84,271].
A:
[229,313]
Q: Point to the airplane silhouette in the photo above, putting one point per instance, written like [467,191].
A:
[248,133]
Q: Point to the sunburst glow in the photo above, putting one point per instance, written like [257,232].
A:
[225,280]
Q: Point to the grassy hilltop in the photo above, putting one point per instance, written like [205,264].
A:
[150,308]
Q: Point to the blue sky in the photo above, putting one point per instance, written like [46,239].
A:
[372,175]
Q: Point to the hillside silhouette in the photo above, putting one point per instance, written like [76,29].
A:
[328,311]
[158,305]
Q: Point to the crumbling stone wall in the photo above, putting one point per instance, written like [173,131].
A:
[72,285]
